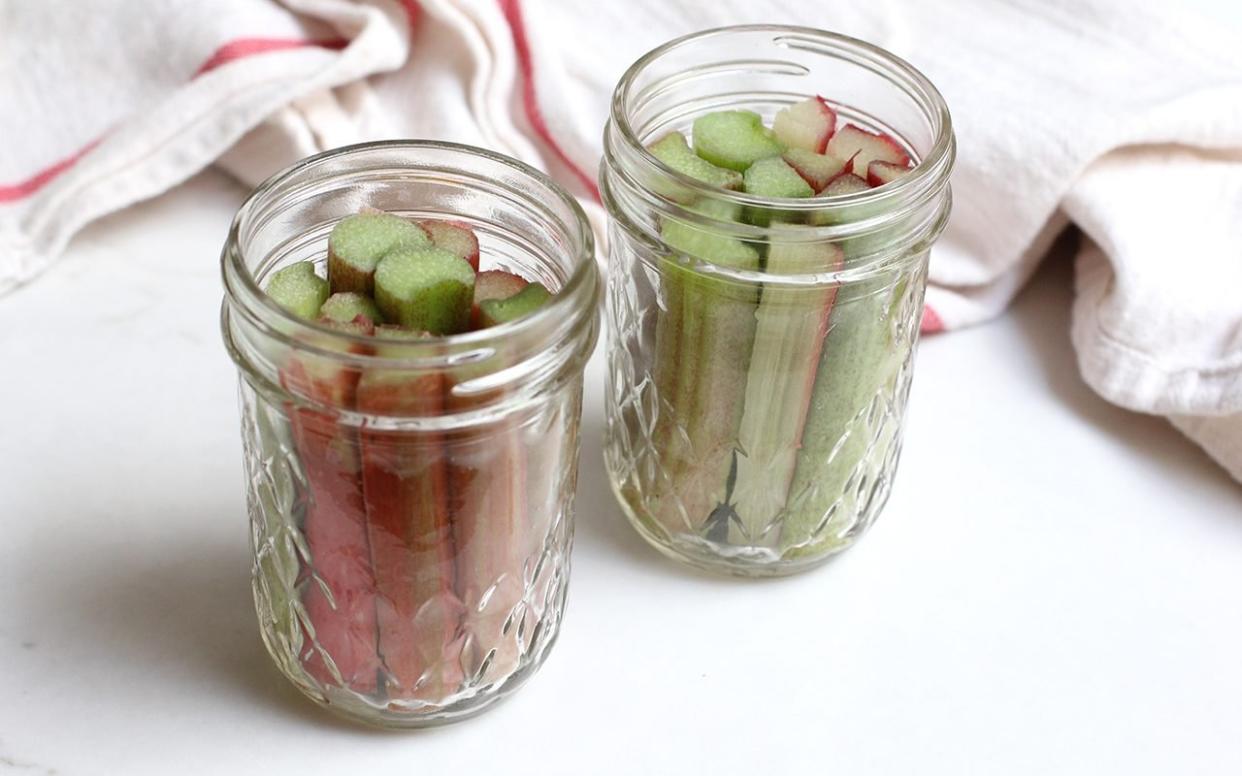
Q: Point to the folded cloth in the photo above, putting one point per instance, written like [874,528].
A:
[1122,119]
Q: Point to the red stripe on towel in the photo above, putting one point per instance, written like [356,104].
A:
[931,321]
[413,12]
[229,52]
[248,47]
[512,10]
[14,191]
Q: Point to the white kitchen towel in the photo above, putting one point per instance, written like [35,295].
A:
[1117,117]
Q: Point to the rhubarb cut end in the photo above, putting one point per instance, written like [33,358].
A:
[863,147]
[675,152]
[773,177]
[455,237]
[358,242]
[346,306]
[734,139]
[817,170]
[498,311]
[428,289]
[298,289]
[880,173]
[806,125]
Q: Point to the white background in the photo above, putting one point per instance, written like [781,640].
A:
[1055,586]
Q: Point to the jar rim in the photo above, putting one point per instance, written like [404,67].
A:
[572,301]
[931,173]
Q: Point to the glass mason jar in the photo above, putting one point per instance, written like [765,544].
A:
[758,378]
[411,504]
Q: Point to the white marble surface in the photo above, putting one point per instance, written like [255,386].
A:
[1054,586]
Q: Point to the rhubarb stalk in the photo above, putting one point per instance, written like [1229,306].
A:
[789,337]
[405,482]
[338,585]
[703,375]
[492,523]
[858,363]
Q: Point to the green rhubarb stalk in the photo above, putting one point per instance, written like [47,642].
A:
[789,336]
[358,242]
[705,379]
[859,362]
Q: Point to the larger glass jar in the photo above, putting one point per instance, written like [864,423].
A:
[759,365]
[411,503]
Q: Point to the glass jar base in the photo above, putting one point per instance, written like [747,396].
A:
[732,560]
[358,709]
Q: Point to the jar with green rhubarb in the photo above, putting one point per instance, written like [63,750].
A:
[410,322]
[773,193]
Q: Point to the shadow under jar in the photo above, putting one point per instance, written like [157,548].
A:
[411,501]
[757,379]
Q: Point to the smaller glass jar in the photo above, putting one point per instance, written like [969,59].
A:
[411,501]
[760,349]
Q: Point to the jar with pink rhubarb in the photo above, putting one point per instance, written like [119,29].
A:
[410,322]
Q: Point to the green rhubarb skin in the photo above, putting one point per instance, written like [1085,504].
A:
[859,359]
[704,337]
[792,323]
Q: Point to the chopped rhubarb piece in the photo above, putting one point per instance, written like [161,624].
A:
[792,322]
[426,289]
[498,311]
[493,284]
[772,177]
[348,305]
[701,378]
[674,151]
[405,483]
[845,184]
[497,284]
[734,139]
[879,173]
[864,147]
[358,242]
[338,587]
[298,289]
[818,170]
[455,237]
[807,125]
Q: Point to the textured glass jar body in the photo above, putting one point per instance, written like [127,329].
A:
[755,411]
[411,502]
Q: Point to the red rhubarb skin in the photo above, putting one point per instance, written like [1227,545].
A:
[344,625]
[492,530]
[405,481]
